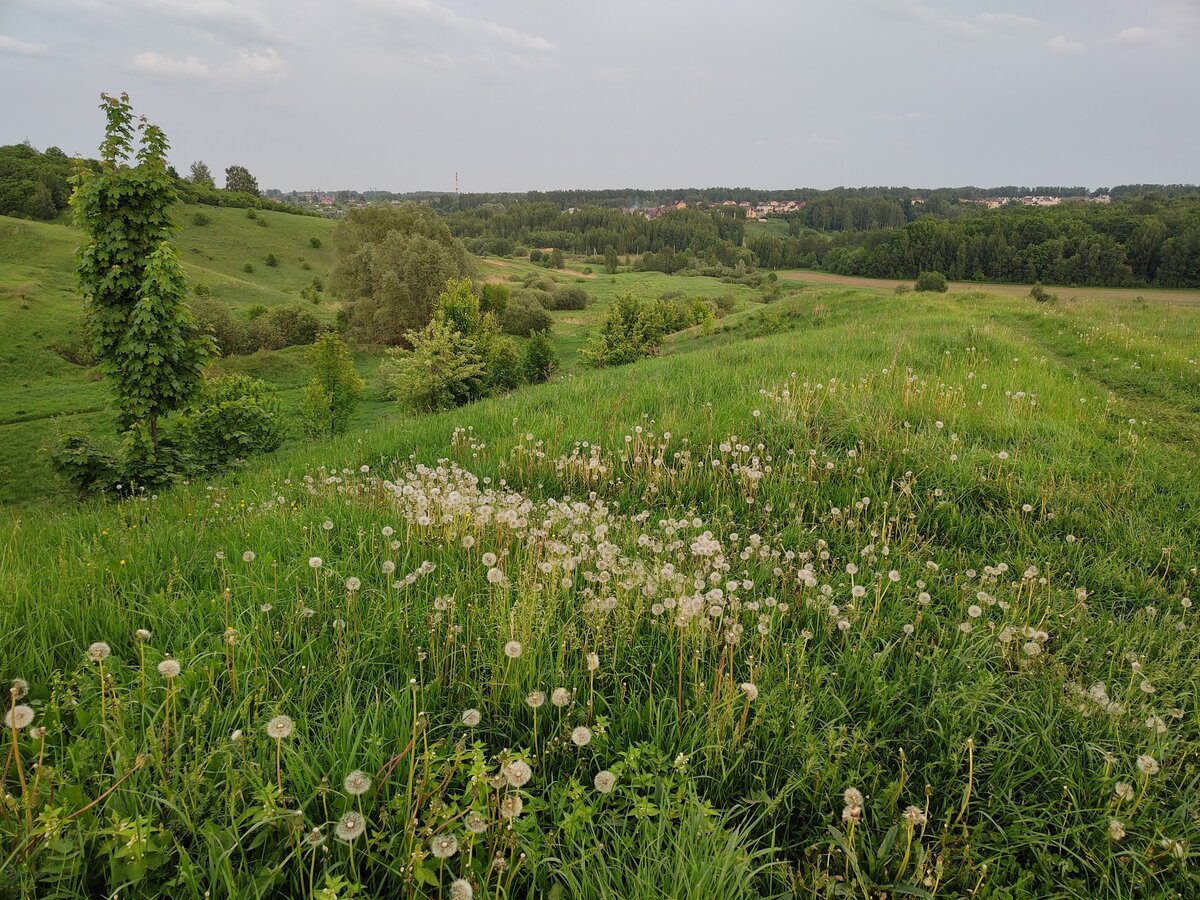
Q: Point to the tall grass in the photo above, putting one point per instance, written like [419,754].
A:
[896,602]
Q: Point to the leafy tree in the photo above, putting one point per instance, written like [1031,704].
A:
[443,369]
[523,316]
[610,259]
[494,297]
[239,180]
[557,260]
[201,175]
[332,396]
[934,282]
[392,262]
[540,358]
[146,339]
[235,417]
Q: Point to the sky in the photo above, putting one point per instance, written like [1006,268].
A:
[520,95]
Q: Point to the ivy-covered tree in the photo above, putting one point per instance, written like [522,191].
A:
[144,335]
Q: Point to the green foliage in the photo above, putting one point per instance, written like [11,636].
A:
[272,260]
[556,259]
[610,259]
[634,328]
[315,243]
[569,297]
[333,394]
[82,465]
[539,359]
[494,297]
[147,342]
[33,185]
[200,219]
[442,370]
[200,175]
[932,282]
[238,180]
[234,418]
[523,316]
[392,262]
[248,268]
[1039,294]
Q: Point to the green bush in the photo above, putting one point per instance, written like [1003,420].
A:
[200,219]
[570,297]
[86,468]
[539,359]
[236,417]
[314,242]
[248,267]
[272,260]
[494,298]
[932,282]
[230,333]
[1041,295]
[290,325]
[332,396]
[442,370]
[524,316]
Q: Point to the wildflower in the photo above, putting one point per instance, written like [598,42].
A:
[388,567]
[266,607]
[471,717]
[236,737]
[489,559]
[1123,790]
[605,781]
[915,816]
[1116,830]
[350,826]
[38,733]
[248,556]
[460,889]
[513,649]
[517,773]
[1147,764]
[495,576]
[142,634]
[974,611]
[750,690]
[1175,847]
[475,823]
[327,525]
[593,662]
[280,727]
[511,806]
[357,783]
[169,668]
[581,736]
[560,697]
[1156,724]
[314,838]
[443,846]
[852,797]
[20,687]
[1146,687]
[314,562]
[908,629]
[99,651]
[353,584]
[18,717]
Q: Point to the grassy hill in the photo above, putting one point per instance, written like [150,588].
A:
[886,595]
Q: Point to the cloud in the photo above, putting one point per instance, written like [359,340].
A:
[1063,46]
[248,64]
[491,32]
[20,48]
[238,20]
[928,18]
[1139,34]
[157,63]
[1008,19]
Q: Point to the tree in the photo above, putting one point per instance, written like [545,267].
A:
[932,281]
[332,396]
[540,359]
[610,259]
[557,260]
[239,180]
[443,369]
[201,175]
[148,344]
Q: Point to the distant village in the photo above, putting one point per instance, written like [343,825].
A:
[753,210]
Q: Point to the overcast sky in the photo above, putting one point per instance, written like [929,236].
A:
[526,94]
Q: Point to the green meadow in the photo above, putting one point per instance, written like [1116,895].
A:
[847,595]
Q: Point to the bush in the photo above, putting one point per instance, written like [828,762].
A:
[523,316]
[504,365]
[1041,295]
[248,267]
[272,260]
[251,214]
[283,326]
[932,282]
[332,396]
[572,297]
[235,417]
[726,304]
[556,260]
[442,370]
[200,219]
[86,468]
[539,359]
[255,311]
[494,298]
[314,242]
[901,289]
[535,255]
[214,317]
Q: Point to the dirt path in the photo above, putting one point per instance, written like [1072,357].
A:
[1181,296]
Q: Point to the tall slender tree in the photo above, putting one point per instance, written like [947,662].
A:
[201,174]
[144,335]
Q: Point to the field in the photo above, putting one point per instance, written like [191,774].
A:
[852,595]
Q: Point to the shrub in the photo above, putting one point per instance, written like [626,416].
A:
[933,282]
[255,311]
[248,267]
[504,364]
[1041,295]
[535,255]
[494,298]
[314,242]
[556,259]
[332,396]
[523,316]
[539,359]
[901,289]
[251,214]
[726,303]
[572,297]
[214,317]
[262,223]
[272,260]
[236,417]
[200,219]
[290,325]
[87,469]
[442,370]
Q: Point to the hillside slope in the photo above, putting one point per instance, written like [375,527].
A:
[918,569]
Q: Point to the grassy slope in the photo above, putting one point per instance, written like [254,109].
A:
[1084,411]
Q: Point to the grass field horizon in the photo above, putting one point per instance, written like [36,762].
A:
[854,594]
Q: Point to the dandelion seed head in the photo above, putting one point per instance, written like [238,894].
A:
[471,717]
[1147,765]
[443,846]
[169,668]
[517,773]
[280,727]
[560,697]
[99,651]
[18,717]
[350,826]
[581,736]
[605,781]
[513,649]
[314,562]
[142,634]
[511,806]
[750,689]
[357,783]
[460,889]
